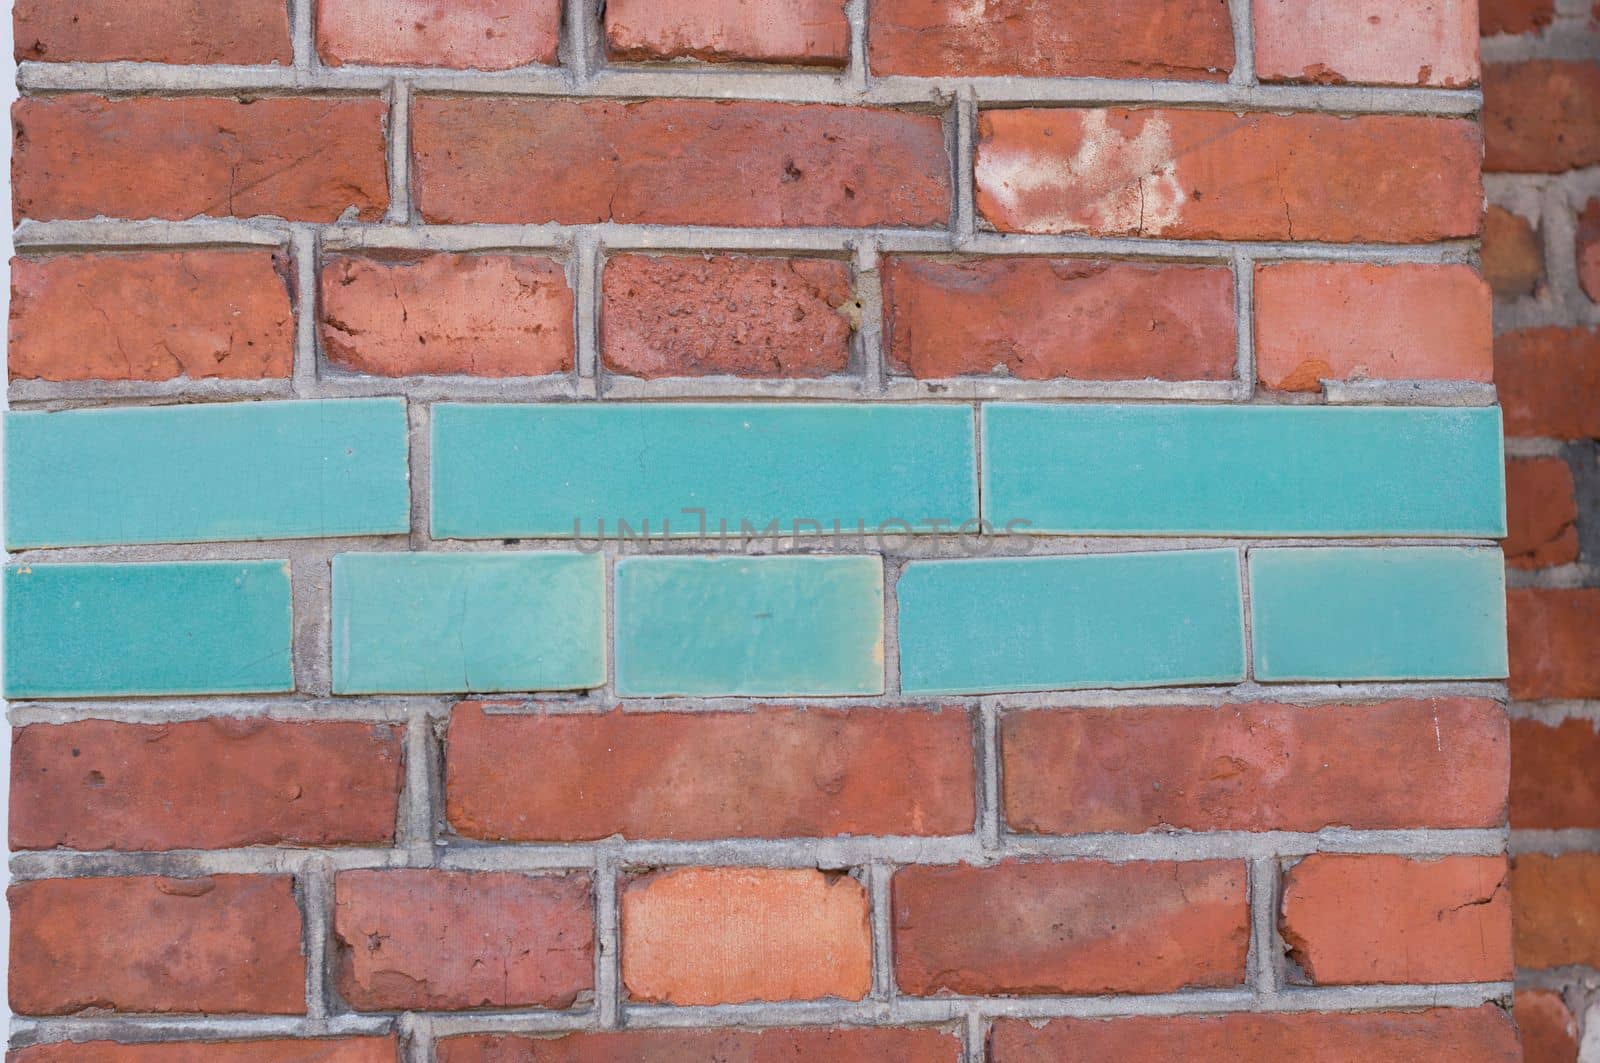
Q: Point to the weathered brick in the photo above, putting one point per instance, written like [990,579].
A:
[220,945]
[681,315]
[1461,1035]
[1542,510]
[1513,254]
[1373,42]
[451,940]
[330,1050]
[1547,379]
[721,1046]
[1221,175]
[1538,116]
[1589,249]
[205,784]
[301,158]
[802,32]
[482,315]
[155,315]
[1557,905]
[1359,919]
[1552,643]
[689,162]
[732,935]
[1400,764]
[152,31]
[1038,318]
[1549,1032]
[481,35]
[1515,16]
[773,773]
[1081,927]
[1185,39]
[1319,321]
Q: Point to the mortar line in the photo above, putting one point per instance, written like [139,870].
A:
[416,1035]
[307,314]
[1244,314]
[975,1037]
[401,211]
[302,14]
[586,298]
[608,941]
[879,875]
[867,281]
[892,679]
[419,472]
[420,803]
[1247,622]
[579,18]
[966,219]
[317,882]
[1244,44]
[1265,958]
[858,73]
[989,799]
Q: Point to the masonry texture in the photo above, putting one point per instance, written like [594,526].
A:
[927,530]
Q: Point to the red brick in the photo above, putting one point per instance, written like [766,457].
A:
[1513,255]
[1037,319]
[332,1050]
[1319,321]
[152,31]
[480,34]
[1221,175]
[1461,1035]
[1557,903]
[220,945]
[772,773]
[1538,116]
[451,940]
[1371,42]
[712,1046]
[482,315]
[733,935]
[206,784]
[1081,927]
[1549,1033]
[1549,382]
[1186,39]
[689,162]
[1515,16]
[680,315]
[1543,513]
[156,315]
[1552,636]
[1589,249]
[301,158]
[1400,764]
[1358,919]
[804,32]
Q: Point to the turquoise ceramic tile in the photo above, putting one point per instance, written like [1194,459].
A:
[535,470]
[235,470]
[208,627]
[1378,613]
[761,626]
[1245,470]
[1059,623]
[468,623]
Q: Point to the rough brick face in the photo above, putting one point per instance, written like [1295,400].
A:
[1589,249]
[680,315]
[225,944]
[1379,42]
[684,162]
[1513,257]
[303,159]
[1515,16]
[151,316]
[723,1046]
[1546,377]
[1183,39]
[1383,919]
[1400,764]
[731,935]
[1549,1034]
[770,774]
[1341,321]
[1552,643]
[1220,175]
[1542,511]
[451,940]
[330,1050]
[1557,909]
[476,34]
[802,32]
[1039,319]
[1538,117]
[153,31]
[481,315]
[96,784]
[1079,928]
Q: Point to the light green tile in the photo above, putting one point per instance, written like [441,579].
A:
[468,623]
[208,627]
[758,626]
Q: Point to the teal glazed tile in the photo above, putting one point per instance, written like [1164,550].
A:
[222,471]
[1059,623]
[558,471]
[756,626]
[1245,470]
[205,627]
[468,623]
[1323,613]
